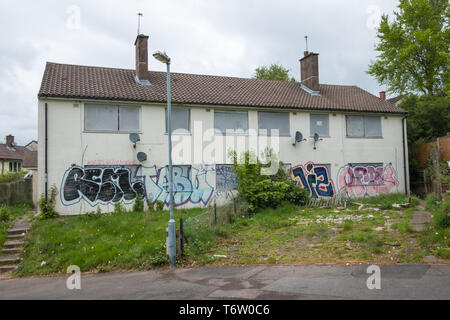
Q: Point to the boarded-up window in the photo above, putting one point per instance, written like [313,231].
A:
[180,120]
[103,117]
[363,126]
[231,121]
[319,124]
[268,121]
[225,177]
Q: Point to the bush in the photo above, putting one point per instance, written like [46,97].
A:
[159,205]
[442,214]
[12,176]
[47,207]
[119,208]
[138,205]
[262,191]
[4,214]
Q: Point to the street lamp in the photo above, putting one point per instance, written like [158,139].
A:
[164,58]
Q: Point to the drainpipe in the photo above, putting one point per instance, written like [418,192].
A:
[45,155]
[404,155]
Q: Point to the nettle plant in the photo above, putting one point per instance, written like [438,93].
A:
[261,190]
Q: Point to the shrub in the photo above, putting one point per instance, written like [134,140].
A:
[138,205]
[159,205]
[4,214]
[12,176]
[150,205]
[47,207]
[119,208]
[442,214]
[262,191]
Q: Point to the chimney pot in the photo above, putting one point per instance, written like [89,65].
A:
[9,141]
[305,53]
[383,95]
[141,44]
[309,70]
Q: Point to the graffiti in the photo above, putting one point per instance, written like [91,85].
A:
[99,186]
[189,184]
[315,178]
[225,177]
[225,194]
[367,180]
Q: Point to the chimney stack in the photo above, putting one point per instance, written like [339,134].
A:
[9,141]
[141,44]
[309,70]
[383,95]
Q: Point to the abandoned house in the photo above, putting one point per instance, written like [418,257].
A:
[335,140]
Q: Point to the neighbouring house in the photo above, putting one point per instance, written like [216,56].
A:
[104,135]
[11,155]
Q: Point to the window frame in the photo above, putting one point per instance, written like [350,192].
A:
[217,131]
[189,120]
[276,112]
[364,127]
[118,106]
[328,122]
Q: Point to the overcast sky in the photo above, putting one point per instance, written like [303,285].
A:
[229,38]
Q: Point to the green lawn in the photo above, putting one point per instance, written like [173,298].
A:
[99,242]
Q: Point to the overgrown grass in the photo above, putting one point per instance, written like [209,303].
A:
[292,234]
[120,240]
[12,176]
[7,216]
[385,202]
[436,238]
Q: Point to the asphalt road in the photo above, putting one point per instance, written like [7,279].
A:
[243,282]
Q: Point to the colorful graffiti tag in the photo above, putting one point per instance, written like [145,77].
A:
[190,184]
[315,178]
[99,186]
[367,180]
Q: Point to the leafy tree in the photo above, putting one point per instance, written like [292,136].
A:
[428,117]
[274,72]
[414,48]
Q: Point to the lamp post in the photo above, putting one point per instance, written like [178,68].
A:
[164,58]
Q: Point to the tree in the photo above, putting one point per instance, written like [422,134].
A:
[428,117]
[274,72]
[414,48]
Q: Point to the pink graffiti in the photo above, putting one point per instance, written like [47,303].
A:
[360,181]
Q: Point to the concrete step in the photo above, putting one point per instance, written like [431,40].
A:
[12,250]
[18,230]
[9,260]
[13,244]
[16,236]
[7,268]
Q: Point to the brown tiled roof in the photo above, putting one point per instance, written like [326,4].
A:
[396,99]
[29,159]
[83,82]
[14,153]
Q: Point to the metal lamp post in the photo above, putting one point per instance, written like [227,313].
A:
[164,58]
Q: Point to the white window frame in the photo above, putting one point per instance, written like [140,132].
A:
[364,127]
[217,131]
[139,130]
[276,112]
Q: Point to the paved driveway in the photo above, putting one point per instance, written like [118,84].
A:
[243,282]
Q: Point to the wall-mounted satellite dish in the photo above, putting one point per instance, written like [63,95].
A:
[316,139]
[298,137]
[134,137]
[141,156]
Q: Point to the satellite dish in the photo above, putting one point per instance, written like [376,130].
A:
[141,156]
[316,137]
[134,137]
[298,136]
